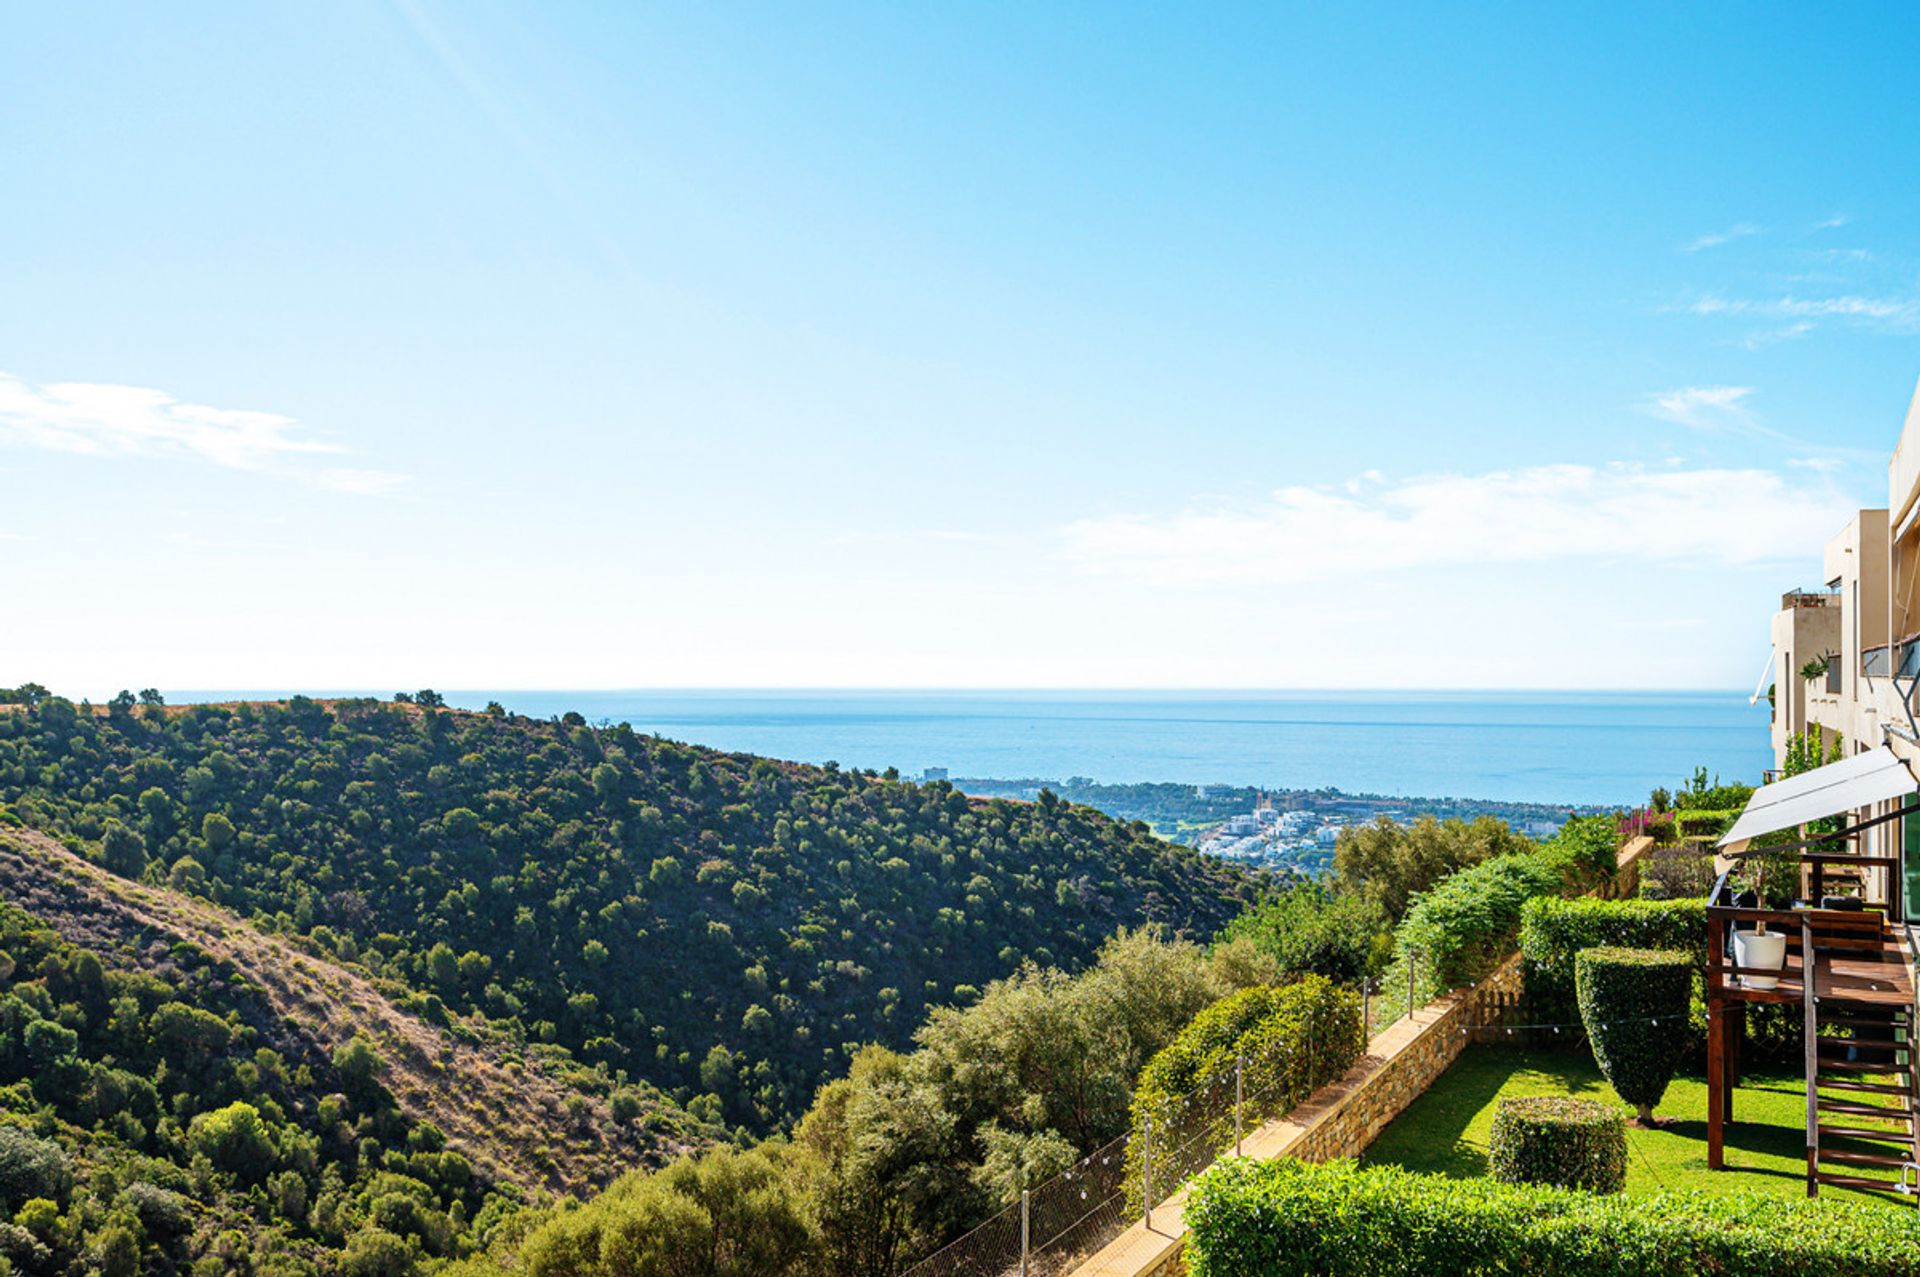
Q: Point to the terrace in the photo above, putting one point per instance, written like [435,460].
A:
[1445,1130]
[1829,971]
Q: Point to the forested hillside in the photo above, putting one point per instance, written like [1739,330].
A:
[727,927]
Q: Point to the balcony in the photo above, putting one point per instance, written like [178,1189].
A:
[1892,660]
[1877,662]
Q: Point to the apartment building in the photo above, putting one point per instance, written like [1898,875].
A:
[1860,637]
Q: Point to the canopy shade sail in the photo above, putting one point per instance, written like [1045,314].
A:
[1847,785]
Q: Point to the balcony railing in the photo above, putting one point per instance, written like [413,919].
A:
[1877,662]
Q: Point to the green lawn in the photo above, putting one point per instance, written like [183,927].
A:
[1445,1130]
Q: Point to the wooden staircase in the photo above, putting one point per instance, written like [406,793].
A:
[1863,1100]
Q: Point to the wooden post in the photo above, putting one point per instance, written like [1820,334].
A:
[1716,1046]
[1146,1173]
[1810,1005]
[1024,1231]
[1239,1098]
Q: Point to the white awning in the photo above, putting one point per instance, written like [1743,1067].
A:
[1847,785]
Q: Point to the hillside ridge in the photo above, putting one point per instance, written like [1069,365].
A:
[471,1093]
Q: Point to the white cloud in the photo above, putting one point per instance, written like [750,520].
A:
[111,421]
[1888,311]
[1536,514]
[1700,407]
[1772,336]
[1739,230]
[1832,223]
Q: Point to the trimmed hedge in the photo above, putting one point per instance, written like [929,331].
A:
[1634,1005]
[1294,1219]
[1466,925]
[1295,1038]
[1553,931]
[1558,1140]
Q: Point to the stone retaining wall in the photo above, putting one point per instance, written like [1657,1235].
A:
[1382,1091]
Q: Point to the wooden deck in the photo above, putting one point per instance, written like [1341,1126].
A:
[1857,1028]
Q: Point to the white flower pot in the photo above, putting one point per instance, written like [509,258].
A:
[1767,952]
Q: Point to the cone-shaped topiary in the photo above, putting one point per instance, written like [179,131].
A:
[1558,1140]
[1634,1005]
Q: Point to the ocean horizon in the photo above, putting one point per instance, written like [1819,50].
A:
[1609,747]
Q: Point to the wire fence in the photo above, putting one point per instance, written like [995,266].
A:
[1389,996]
[1056,1226]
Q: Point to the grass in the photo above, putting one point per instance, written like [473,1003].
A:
[1444,1131]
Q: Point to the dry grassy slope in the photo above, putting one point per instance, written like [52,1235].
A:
[510,1121]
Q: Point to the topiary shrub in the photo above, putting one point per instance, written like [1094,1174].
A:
[1634,1005]
[1552,931]
[1288,1218]
[1559,1140]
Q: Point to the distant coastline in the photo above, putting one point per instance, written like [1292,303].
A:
[1566,748]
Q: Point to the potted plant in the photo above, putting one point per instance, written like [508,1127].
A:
[1760,949]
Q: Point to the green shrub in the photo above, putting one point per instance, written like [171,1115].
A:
[1312,930]
[1466,925]
[1558,1140]
[1295,1219]
[1695,823]
[1294,1039]
[31,1167]
[1553,931]
[1587,849]
[1634,1005]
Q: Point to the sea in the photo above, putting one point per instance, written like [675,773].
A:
[1550,747]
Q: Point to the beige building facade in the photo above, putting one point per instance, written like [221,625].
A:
[1863,626]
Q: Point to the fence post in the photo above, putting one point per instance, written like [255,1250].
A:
[1366,1009]
[1024,1217]
[1413,961]
[1146,1171]
[1239,1097]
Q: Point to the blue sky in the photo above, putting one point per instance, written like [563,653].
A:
[370,345]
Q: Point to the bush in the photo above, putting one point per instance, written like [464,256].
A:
[1388,863]
[1466,925]
[1311,930]
[1558,1140]
[1295,1219]
[1294,1039]
[234,1139]
[1587,849]
[31,1167]
[1634,1004]
[1676,873]
[1553,931]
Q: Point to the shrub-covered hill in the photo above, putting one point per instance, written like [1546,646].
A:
[727,927]
[526,1116]
[158,1115]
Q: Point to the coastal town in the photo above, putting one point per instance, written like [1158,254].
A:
[1286,829]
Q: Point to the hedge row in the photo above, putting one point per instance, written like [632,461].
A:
[1294,1219]
[1294,1039]
[1553,932]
